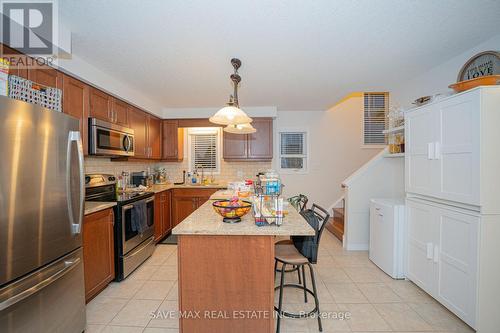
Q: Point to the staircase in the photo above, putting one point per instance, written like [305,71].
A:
[336,223]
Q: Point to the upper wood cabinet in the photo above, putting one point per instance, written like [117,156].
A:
[46,76]
[76,104]
[98,251]
[260,143]
[139,123]
[108,108]
[100,105]
[19,61]
[154,137]
[172,141]
[119,111]
[147,133]
[257,146]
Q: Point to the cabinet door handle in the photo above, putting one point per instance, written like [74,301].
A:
[437,150]
[429,251]
[436,254]
[430,151]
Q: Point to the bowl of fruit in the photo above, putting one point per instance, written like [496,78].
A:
[232,210]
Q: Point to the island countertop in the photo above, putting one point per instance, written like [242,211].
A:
[205,221]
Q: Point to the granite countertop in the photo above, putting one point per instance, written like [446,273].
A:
[164,187]
[95,206]
[205,221]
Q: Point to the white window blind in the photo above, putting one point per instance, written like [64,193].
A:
[204,146]
[375,111]
[293,152]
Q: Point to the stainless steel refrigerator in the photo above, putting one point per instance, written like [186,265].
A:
[41,211]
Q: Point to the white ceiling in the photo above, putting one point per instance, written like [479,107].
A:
[297,55]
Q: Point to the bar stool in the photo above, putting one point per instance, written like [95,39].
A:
[299,202]
[303,252]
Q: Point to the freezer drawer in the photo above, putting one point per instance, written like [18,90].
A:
[51,299]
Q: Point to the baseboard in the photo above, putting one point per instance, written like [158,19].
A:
[357,247]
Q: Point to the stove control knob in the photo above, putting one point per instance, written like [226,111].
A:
[111,179]
[87,179]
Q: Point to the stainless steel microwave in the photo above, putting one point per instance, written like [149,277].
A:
[107,139]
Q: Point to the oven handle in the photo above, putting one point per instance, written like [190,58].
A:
[125,208]
[148,200]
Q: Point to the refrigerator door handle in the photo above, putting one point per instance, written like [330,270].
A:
[69,265]
[74,136]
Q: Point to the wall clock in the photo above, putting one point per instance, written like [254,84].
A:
[482,64]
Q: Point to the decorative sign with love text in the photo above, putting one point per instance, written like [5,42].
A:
[482,64]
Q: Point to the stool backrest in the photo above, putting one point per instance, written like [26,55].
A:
[317,217]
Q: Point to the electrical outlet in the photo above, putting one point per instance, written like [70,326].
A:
[239,174]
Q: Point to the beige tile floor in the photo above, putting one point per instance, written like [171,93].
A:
[348,283]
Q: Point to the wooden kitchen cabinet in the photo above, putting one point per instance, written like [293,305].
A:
[235,146]
[257,146]
[100,105]
[162,215]
[260,143]
[119,111]
[154,137]
[19,61]
[172,141]
[46,76]
[139,123]
[76,104]
[186,200]
[98,251]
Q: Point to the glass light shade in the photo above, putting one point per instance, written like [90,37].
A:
[230,115]
[240,129]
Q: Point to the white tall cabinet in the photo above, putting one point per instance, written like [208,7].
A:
[452,180]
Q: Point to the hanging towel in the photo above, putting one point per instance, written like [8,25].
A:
[139,216]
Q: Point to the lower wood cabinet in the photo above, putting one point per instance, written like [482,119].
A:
[163,223]
[186,200]
[98,251]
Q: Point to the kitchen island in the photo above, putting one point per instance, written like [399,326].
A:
[226,271]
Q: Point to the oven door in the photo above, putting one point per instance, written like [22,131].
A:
[130,238]
[110,139]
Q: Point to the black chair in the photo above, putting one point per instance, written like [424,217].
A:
[303,252]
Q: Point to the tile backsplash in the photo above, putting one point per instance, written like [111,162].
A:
[230,171]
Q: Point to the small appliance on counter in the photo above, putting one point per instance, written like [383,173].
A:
[142,178]
[133,236]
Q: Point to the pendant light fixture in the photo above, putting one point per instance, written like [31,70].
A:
[240,129]
[231,114]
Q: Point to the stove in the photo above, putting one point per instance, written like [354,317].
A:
[132,248]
